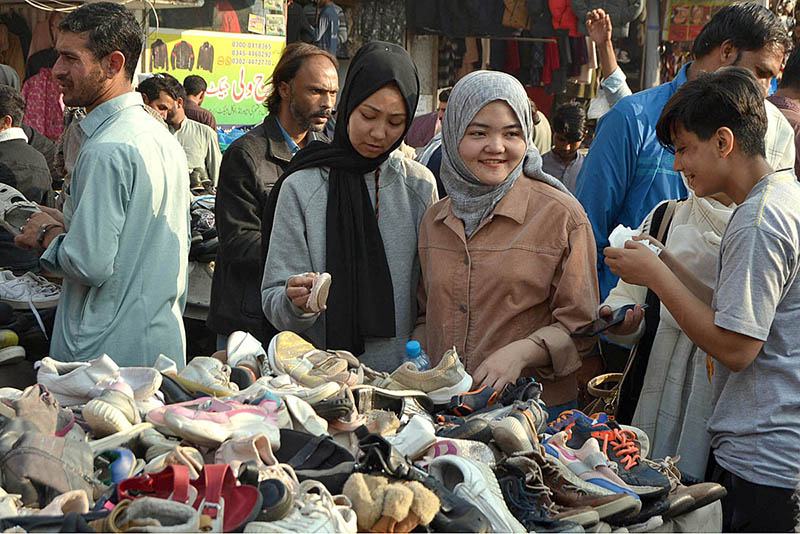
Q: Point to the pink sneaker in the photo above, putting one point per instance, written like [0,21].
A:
[588,462]
[156,415]
[216,421]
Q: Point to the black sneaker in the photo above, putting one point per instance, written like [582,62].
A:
[523,389]
[458,428]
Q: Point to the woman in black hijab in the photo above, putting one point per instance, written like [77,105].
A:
[353,209]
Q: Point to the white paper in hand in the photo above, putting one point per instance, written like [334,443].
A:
[621,234]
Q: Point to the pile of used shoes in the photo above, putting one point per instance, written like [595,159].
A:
[297,439]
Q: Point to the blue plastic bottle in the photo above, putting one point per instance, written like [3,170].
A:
[417,356]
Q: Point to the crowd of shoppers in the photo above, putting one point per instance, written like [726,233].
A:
[502,252]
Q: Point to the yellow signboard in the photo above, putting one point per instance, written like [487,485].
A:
[236,66]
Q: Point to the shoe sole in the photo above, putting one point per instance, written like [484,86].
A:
[279,510]
[25,305]
[319,292]
[511,437]
[105,419]
[679,506]
[443,395]
[627,505]
[584,519]
[11,355]
[712,496]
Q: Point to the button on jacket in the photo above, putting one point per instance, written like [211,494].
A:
[527,272]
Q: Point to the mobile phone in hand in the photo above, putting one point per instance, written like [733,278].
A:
[601,325]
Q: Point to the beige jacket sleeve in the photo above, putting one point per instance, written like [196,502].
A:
[573,304]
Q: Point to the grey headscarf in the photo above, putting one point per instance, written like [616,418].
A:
[472,200]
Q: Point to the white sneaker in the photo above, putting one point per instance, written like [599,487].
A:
[314,511]
[28,291]
[246,351]
[476,483]
[303,416]
[209,373]
[74,383]
[71,383]
[415,438]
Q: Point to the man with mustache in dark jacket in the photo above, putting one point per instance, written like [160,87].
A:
[304,87]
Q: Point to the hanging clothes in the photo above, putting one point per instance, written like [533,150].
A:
[18,26]
[228,20]
[512,63]
[563,16]
[44,33]
[551,62]
[11,51]
[515,14]
[43,107]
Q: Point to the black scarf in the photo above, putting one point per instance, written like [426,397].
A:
[361,299]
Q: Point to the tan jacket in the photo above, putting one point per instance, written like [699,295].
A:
[528,271]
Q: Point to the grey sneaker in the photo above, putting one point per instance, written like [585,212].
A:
[15,209]
[448,378]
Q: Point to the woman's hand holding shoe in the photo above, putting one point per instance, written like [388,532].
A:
[298,288]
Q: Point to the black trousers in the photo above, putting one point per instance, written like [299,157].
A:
[750,507]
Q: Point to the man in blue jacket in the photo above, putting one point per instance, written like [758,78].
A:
[627,172]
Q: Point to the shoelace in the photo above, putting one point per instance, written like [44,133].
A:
[523,504]
[548,468]
[37,316]
[667,468]
[624,448]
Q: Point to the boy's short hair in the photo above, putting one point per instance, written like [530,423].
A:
[12,104]
[730,97]
[791,72]
[569,120]
[194,84]
[444,95]
[155,84]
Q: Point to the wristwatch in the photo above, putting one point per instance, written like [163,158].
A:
[43,231]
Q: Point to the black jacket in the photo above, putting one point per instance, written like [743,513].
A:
[205,57]
[25,169]
[158,56]
[182,56]
[249,169]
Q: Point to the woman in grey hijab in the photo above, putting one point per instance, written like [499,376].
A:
[508,259]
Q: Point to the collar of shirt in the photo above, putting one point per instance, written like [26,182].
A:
[13,133]
[106,110]
[680,78]
[784,103]
[289,141]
